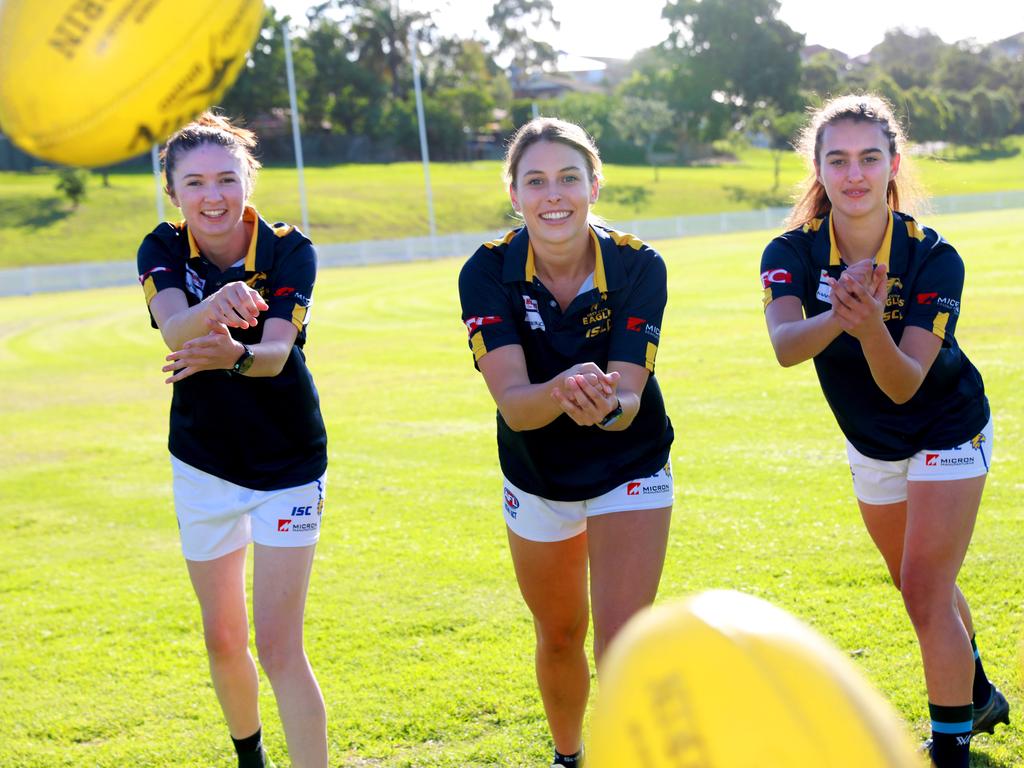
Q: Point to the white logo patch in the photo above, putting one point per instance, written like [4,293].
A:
[533,318]
[824,289]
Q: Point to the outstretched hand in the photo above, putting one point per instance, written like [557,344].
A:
[236,305]
[214,351]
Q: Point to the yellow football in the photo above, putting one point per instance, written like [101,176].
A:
[94,82]
[726,680]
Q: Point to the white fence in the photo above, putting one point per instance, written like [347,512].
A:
[70,277]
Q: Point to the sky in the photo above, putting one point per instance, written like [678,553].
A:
[618,30]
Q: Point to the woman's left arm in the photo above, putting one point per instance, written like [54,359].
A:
[632,380]
[217,350]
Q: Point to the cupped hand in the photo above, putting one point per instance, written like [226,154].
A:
[586,393]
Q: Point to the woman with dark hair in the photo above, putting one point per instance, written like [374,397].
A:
[564,321]
[231,296]
[873,298]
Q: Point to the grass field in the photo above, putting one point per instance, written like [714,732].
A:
[415,627]
[360,202]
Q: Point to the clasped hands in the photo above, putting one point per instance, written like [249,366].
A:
[236,305]
[586,393]
[858,297]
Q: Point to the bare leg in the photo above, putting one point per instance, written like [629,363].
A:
[553,580]
[627,553]
[220,586]
[280,582]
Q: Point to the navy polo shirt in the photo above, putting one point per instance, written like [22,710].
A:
[263,433]
[618,317]
[926,277]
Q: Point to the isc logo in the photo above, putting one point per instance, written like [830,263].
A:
[302,511]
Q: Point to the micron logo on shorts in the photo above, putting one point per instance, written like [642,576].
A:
[633,489]
[284,526]
[936,460]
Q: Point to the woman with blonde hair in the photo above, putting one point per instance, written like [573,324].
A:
[564,320]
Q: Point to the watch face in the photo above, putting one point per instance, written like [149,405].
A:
[245,362]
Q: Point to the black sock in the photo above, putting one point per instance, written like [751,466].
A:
[574,761]
[250,750]
[951,735]
[982,687]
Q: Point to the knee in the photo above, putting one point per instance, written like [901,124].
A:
[924,600]
[225,639]
[277,650]
[561,638]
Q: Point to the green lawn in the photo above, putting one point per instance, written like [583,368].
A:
[368,202]
[421,642]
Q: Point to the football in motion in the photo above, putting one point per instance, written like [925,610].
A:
[94,82]
[726,680]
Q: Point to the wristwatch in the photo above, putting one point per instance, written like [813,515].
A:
[613,416]
[244,363]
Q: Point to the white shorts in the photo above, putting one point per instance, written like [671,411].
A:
[216,517]
[539,519]
[885,482]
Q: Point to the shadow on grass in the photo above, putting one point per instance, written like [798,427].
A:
[33,212]
[981,760]
[984,154]
[758,199]
[626,194]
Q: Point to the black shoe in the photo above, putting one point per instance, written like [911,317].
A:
[996,711]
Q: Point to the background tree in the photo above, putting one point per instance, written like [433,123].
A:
[262,84]
[642,122]
[779,128]
[739,54]
[516,22]
[71,183]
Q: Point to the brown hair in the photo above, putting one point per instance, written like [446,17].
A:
[211,128]
[904,192]
[554,130]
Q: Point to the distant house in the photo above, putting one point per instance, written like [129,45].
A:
[573,74]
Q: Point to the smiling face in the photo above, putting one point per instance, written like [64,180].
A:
[553,190]
[210,187]
[854,165]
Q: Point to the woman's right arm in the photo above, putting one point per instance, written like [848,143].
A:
[524,405]
[794,337]
[236,305]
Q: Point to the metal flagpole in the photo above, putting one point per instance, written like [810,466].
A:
[424,152]
[296,136]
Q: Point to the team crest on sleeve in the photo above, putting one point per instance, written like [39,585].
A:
[473,323]
[533,318]
[775,276]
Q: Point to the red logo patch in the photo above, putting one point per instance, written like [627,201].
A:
[775,276]
[285,291]
[284,526]
[926,298]
[472,323]
[633,489]
[931,459]
[635,324]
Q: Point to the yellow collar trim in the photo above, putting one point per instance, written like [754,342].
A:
[249,216]
[834,258]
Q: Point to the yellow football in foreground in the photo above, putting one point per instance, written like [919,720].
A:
[93,82]
[726,680]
